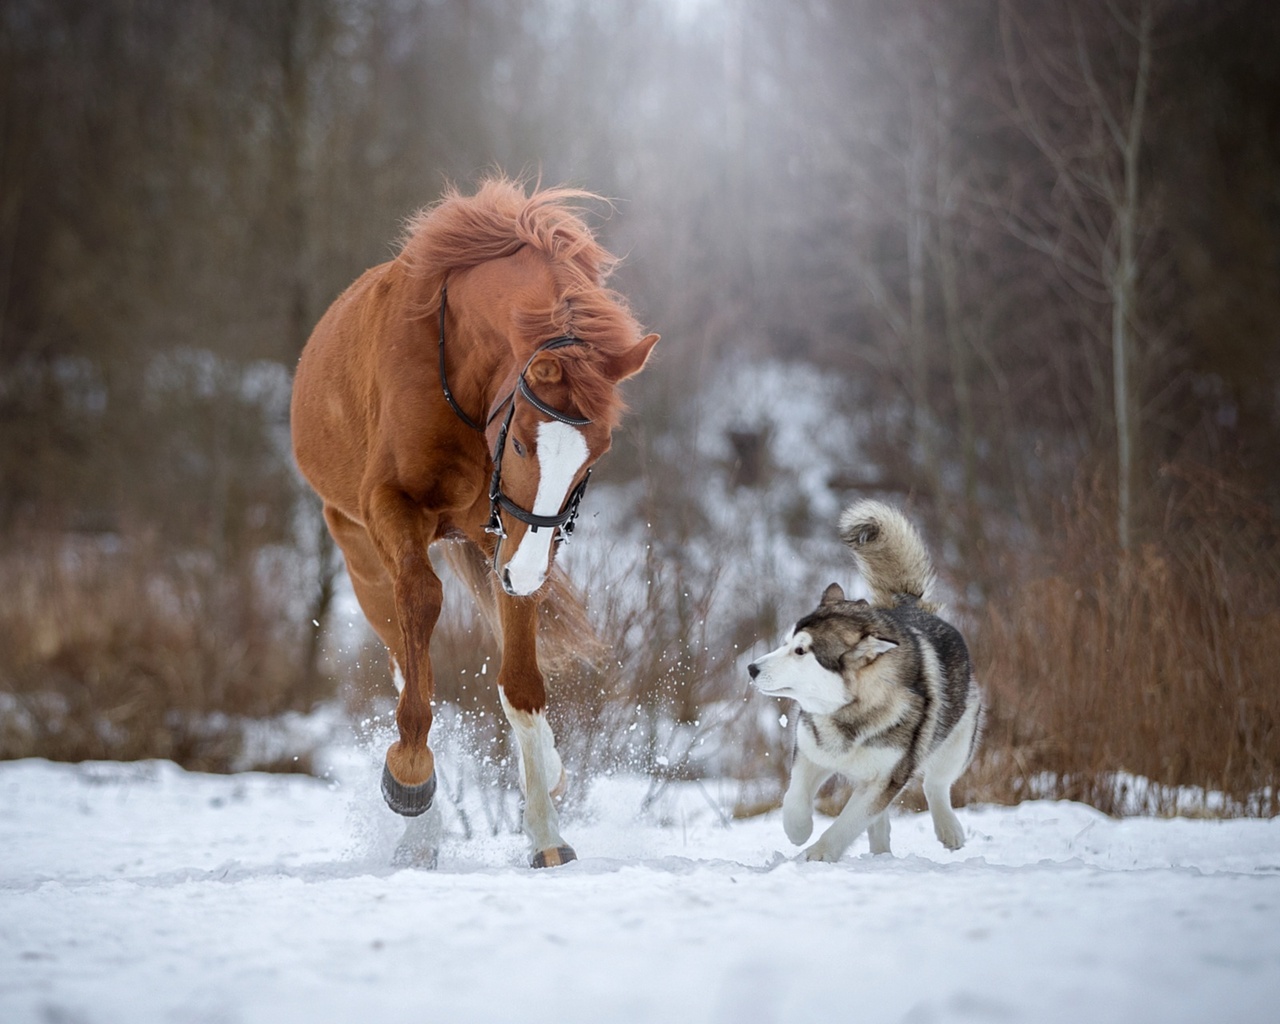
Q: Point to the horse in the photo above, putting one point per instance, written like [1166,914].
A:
[461,392]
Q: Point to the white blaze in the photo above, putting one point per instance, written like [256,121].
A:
[562,451]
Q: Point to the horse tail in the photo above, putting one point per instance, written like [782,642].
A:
[566,636]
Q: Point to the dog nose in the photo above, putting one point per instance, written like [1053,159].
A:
[752,670]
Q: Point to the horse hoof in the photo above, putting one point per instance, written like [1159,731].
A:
[409,801]
[553,858]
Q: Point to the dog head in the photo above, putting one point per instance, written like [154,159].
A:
[819,664]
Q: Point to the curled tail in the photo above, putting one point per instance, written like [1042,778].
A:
[891,557]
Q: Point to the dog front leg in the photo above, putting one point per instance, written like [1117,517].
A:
[878,833]
[797,806]
[866,805]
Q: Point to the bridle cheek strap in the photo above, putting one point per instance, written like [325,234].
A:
[498,501]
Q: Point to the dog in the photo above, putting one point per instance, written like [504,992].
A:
[885,689]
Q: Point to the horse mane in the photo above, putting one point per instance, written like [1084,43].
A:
[461,231]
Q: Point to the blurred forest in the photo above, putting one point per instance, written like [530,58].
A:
[1035,248]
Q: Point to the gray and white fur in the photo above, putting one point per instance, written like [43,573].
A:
[885,690]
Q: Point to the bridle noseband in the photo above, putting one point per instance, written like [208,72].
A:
[499,502]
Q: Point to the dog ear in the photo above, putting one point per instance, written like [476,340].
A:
[832,594]
[866,650]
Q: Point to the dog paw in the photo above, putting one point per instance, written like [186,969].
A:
[950,834]
[797,824]
[822,853]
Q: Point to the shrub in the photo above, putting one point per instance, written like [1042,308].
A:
[1159,663]
[119,648]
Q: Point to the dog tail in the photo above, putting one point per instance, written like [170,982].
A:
[891,556]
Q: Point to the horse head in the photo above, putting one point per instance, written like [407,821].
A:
[554,431]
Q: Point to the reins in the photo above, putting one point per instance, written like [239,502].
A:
[499,501]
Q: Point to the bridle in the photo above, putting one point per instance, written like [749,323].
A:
[499,502]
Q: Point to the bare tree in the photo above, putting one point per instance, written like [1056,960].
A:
[1079,90]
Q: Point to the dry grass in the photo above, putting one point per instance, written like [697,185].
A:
[1100,669]
[1140,684]
[124,650]
[1161,664]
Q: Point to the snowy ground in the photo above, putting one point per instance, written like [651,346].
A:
[136,893]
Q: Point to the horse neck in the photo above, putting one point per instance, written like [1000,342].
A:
[485,360]
[482,364]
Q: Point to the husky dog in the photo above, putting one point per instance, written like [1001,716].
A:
[885,689]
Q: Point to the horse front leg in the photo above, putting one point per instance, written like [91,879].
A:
[409,774]
[524,700]
[401,534]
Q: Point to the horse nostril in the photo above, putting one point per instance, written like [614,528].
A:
[753,670]
[506,580]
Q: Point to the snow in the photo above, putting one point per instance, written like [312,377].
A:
[140,892]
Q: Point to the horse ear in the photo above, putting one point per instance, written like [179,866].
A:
[833,594]
[632,361]
[545,369]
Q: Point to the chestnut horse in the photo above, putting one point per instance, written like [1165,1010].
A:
[462,392]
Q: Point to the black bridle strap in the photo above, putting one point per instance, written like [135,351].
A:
[540,405]
[564,519]
[444,377]
[521,384]
[522,388]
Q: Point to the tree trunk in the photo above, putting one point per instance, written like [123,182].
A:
[1124,285]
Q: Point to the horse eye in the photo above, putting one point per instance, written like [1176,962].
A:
[518,447]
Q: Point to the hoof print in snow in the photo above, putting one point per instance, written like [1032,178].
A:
[411,855]
[409,801]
